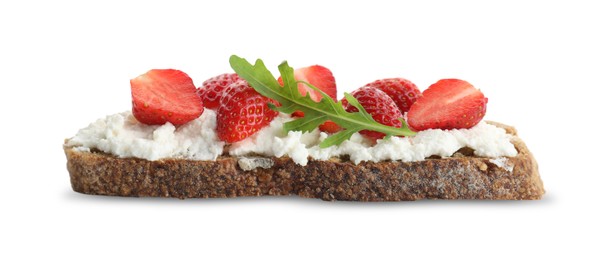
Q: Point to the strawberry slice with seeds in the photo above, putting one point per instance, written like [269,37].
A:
[379,105]
[403,92]
[242,112]
[212,89]
[448,104]
[165,95]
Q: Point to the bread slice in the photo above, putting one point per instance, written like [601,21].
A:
[462,176]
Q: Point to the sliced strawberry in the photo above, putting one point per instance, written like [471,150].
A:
[403,92]
[212,89]
[318,76]
[167,95]
[330,127]
[379,105]
[242,112]
[448,104]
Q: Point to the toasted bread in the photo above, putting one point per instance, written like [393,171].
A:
[462,176]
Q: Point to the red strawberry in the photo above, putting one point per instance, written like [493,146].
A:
[318,76]
[297,114]
[161,96]
[330,127]
[403,92]
[242,112]
[379,105]
[212,89]
[448,104]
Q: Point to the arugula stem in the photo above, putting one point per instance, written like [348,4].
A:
[290,99]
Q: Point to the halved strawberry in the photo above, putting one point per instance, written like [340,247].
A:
[165,95]
[242,112]
[403,92]
[212,89]
[448,104]
[379,105]
[318,76]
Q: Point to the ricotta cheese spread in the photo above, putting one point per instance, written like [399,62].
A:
[122,135]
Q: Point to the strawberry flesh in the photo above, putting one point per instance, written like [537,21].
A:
[448,104]
[330,127]
[318,76]
[165,95]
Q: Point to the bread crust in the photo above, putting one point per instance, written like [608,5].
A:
[457,177]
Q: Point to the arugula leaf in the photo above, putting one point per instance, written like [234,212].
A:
[315,113]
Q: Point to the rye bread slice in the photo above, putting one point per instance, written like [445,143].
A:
[463,176]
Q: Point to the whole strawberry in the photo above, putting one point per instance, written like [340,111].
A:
[165,95]
[403,92]
[448,104]
[379,105]
[212,89]
[242,112]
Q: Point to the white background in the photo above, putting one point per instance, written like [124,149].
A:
[545,67]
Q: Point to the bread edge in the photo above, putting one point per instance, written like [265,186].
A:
[481,178]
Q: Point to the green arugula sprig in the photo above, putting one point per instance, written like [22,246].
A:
[315,113]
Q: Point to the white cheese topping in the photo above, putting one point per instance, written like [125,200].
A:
[122,135]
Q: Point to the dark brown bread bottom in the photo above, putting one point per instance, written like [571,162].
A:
[458,177]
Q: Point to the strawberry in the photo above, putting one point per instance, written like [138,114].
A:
[322,78]
[297,114]
[242,112]
[448,104]
[212,89]
[403,92]
[318,76]
[167,95]
[330,127]
[379,105]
